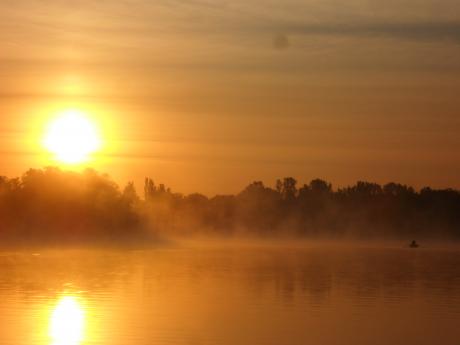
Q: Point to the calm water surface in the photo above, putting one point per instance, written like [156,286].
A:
[231,295]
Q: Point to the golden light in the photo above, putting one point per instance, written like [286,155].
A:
[67,322]
[72,137]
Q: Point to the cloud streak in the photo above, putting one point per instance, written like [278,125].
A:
[417,31]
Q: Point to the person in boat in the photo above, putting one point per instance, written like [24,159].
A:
[413,244]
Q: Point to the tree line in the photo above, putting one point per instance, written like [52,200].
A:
[54,204]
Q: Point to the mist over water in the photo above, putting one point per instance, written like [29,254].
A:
[232,292]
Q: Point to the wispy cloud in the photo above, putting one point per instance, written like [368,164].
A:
[425,31]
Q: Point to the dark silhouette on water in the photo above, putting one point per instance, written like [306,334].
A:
[50,204]
[413,244]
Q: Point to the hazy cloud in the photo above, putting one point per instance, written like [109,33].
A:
[429,31]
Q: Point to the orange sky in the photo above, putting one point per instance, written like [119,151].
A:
[210,95]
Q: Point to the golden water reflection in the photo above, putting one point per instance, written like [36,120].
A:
[231,295]
[67,322]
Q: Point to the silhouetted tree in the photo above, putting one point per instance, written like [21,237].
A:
[50,204]
[149,189]
[288,188]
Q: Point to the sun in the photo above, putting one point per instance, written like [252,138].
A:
[72,137]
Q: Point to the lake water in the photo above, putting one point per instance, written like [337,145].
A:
[229,294]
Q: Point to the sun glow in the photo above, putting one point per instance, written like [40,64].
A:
[67,322]
[72,137]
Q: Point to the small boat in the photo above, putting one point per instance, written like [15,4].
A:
[413,244]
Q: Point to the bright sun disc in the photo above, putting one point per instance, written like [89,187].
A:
[72,137]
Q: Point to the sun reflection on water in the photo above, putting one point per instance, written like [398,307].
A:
[67,322]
